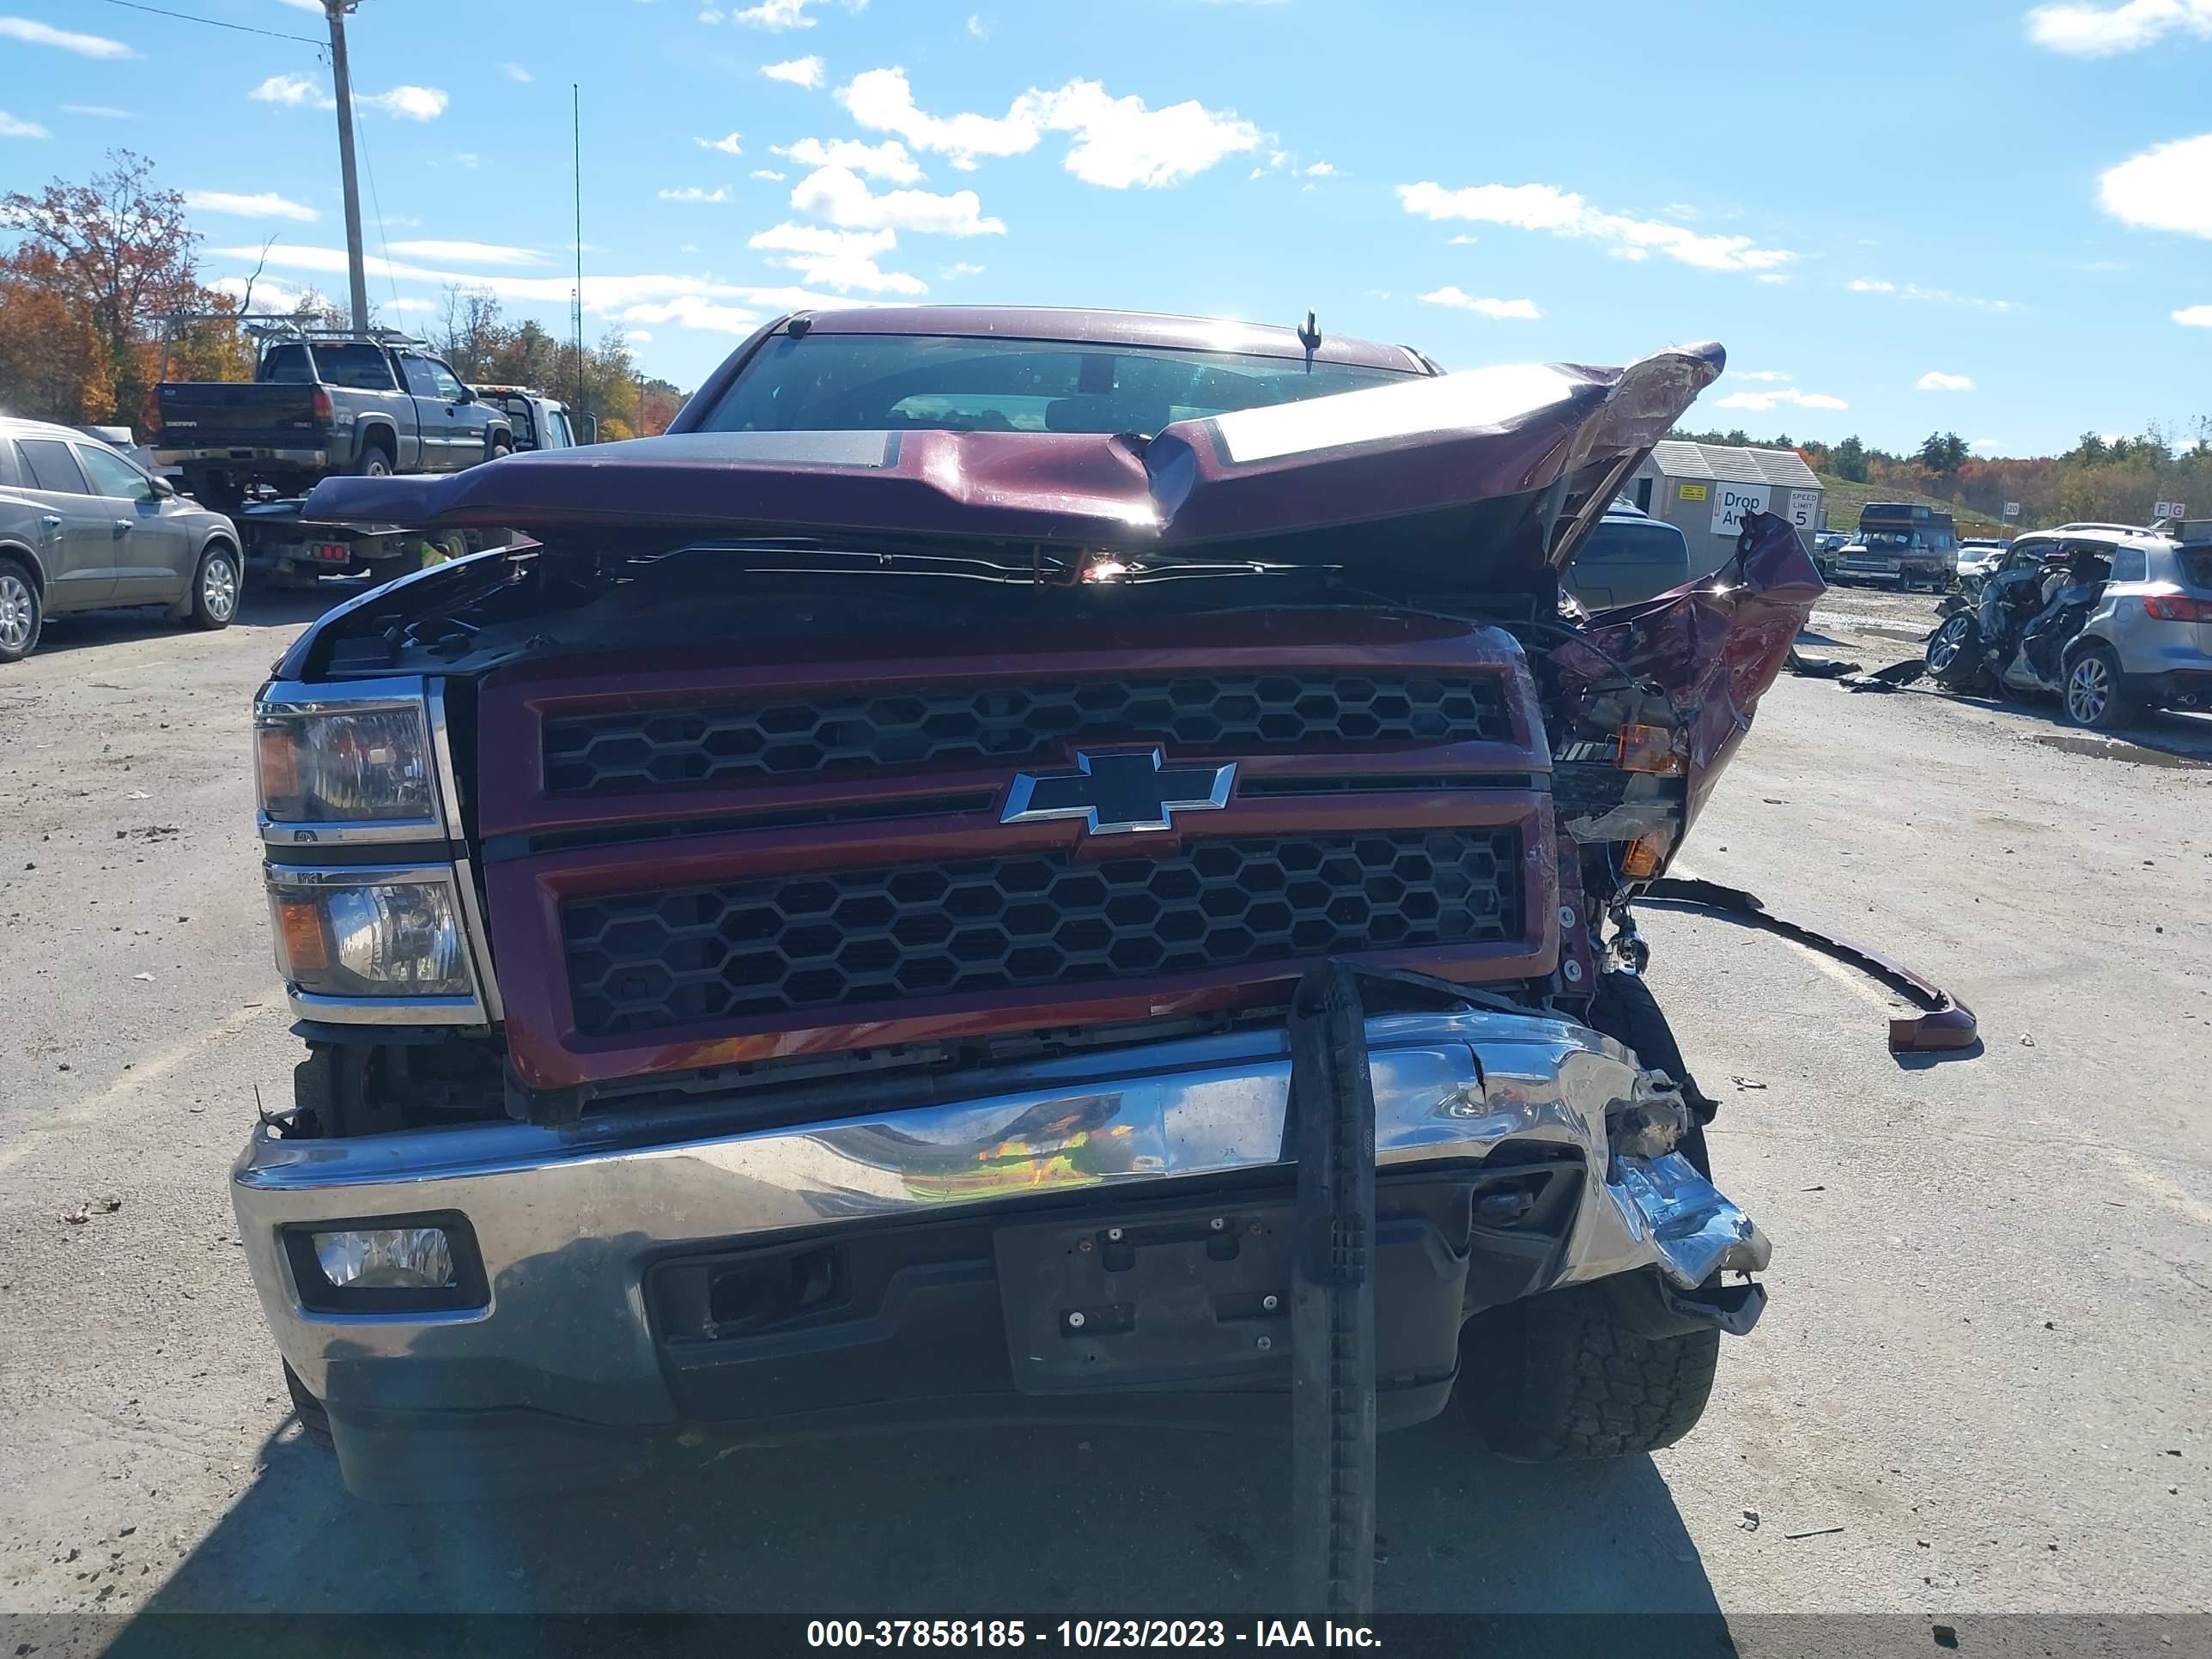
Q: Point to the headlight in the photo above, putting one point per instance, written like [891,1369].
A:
[365,764]
[366,932]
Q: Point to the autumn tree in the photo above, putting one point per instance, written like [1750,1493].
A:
[474,336]
[119,251]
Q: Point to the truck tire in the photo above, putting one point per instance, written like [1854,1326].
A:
[216,587]
[1564,1377]
[314,1419]
[22,616]
[501,449]
[374,461]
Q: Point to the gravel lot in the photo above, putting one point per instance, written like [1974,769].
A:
[1980,1388]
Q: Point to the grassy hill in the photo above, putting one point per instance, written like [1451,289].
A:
[1845,499]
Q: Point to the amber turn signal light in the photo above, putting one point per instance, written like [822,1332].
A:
[1647,749]
[299,927]
[1641,861]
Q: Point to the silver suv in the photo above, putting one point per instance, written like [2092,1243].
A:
[82,527]
[2148,641]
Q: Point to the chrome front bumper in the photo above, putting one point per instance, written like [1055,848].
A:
[569,1221]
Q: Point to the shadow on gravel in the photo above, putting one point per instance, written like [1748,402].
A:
[1062,1522]
[82,629]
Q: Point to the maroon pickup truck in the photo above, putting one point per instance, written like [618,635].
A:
[1017,863]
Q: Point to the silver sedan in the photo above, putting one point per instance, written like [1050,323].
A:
[82,527]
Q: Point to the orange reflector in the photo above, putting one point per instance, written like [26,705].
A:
[280,774]
[1648,748]
[1641,861]
[301,926]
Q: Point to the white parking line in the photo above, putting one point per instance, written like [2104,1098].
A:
[131,1084]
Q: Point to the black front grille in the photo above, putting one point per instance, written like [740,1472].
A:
[623,750]
[641,962]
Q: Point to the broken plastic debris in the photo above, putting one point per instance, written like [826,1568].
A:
[1750,1521]
[148,978]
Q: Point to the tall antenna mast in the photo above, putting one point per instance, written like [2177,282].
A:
[576,141]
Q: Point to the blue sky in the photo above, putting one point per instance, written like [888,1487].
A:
[1898,217]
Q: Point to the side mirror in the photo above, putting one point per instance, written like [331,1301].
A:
[467,395]
[163,489]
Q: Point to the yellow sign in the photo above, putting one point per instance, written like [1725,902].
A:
[1689,492]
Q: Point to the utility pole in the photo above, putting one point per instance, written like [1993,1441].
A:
[336,10]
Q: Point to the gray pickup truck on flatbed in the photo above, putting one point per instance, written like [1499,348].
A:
[320,406]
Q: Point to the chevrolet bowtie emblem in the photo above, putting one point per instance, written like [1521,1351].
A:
[1119,795]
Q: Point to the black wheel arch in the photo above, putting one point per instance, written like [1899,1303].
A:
[17,553]
[376,434]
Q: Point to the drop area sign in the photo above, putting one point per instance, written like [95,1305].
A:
[1731,502]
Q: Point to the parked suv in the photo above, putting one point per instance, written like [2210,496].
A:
[82,527]
[2149,641]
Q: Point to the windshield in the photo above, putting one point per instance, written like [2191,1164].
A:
[877,382]
[1886,541]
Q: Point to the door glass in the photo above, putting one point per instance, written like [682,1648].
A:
[449,388]
[112,475]
[420,380]
[557,424]
[48,464]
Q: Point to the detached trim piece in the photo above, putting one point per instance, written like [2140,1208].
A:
[1948,1024]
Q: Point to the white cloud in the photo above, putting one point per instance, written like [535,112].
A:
[406,303]
[694,193]
[292,90]
[1120,143]
[727,144]
[799,71]
[269,293]
[314,6]
[44,34]
[604,294]
[1761,402]
[468,158]
[639,335]
[101,111]
[13,126]
[1497,310]
[1771,278]
[958,269]
[691,311]
[2167,188]
[1914,291]
[881,100]
[479,253]
[768,173]
[266,205]
[710,14]
[1564,213]
[2089,31]
[1985,443]
[1116,142]
[407,103]
[1463,241]
[1771,375]
[516,72]
[1936,380]
[837,258]
[2194,317]
[977,26]
[785,14]
[841,196]
[1322,170]
[888,161]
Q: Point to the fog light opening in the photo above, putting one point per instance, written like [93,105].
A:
[387,1264]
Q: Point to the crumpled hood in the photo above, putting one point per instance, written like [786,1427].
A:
[1545,444]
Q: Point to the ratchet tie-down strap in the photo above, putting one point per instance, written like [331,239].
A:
[1333,1299]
